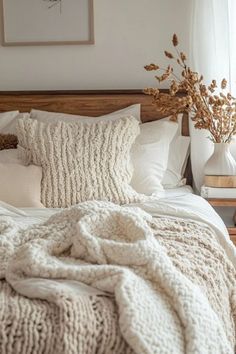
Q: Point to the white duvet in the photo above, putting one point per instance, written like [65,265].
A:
[37,276]
[179,202]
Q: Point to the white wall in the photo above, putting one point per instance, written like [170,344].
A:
[128,35]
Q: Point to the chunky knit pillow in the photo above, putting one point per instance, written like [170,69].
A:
[81,161]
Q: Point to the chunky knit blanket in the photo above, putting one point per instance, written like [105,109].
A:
[173,287]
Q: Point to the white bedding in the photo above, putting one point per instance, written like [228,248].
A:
[178,191]
[121,250]
[177,202]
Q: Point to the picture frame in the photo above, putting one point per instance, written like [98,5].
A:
[47,22]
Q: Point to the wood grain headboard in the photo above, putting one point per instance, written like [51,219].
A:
[88,103]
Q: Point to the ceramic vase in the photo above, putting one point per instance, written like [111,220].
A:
[221,162]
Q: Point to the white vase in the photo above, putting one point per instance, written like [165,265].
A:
[221,162]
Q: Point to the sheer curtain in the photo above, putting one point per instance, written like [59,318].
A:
[213,54]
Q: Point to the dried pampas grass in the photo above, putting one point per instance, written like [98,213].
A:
[210,109]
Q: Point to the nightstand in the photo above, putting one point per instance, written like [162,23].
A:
[221,204]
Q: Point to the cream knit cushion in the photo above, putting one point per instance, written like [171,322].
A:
[81,161]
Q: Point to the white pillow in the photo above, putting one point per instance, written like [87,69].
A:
[177,160]
[8,122]
[178,157]
[9,156]
[20,186]
[179,121]
[52,117]
[150,156]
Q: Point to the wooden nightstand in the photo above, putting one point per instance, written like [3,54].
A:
[221,202]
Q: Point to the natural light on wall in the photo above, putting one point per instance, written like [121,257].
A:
[213,36]
[232,45]
[213,53]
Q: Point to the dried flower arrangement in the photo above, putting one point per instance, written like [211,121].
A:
[211,111]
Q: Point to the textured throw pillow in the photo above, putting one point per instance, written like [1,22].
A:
[20,185]
[8,141]
[81,161]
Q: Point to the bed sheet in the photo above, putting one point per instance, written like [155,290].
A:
[29,216]
[178,191]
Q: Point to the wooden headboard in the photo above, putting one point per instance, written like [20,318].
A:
[88,103]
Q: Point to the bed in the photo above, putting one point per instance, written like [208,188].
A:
[152,276]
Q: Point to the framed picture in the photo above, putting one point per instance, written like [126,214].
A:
[46,22]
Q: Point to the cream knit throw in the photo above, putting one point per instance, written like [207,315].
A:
[149,265]
[81,161]
[86,325]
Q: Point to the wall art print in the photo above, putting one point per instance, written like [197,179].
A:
[45,22]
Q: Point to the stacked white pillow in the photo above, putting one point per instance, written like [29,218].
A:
[159,155]
[177,159]
[21,185]
[156,161]
[8,122]
[150,156]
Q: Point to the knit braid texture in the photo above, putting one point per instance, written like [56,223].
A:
[87,325]
[81,161]
[173,287]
